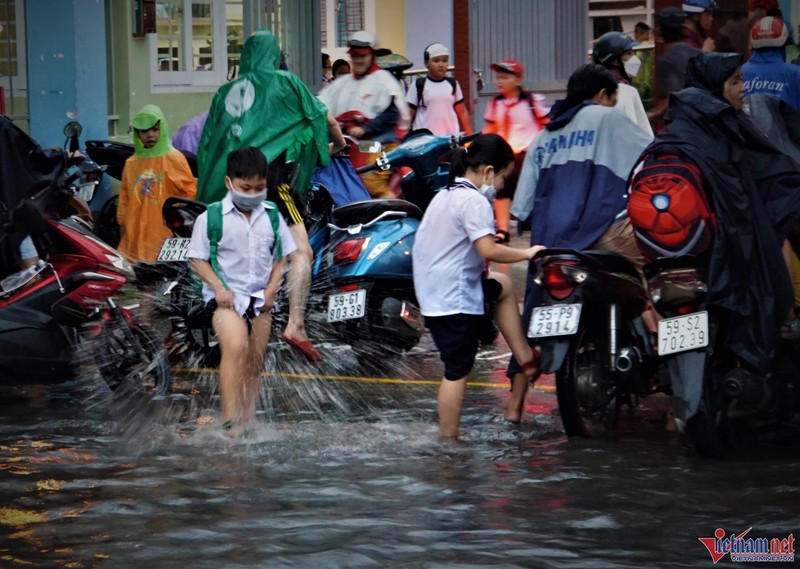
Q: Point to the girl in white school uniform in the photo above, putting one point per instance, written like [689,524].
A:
[453,247]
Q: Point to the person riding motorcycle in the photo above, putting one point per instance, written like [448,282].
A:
[370,104]
[614,51]
[753,187]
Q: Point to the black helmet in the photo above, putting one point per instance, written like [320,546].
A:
[611,46]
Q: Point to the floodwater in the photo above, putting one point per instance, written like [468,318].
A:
[346,469]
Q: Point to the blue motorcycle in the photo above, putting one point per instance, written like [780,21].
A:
[367,261]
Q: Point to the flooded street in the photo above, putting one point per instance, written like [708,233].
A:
[346,470]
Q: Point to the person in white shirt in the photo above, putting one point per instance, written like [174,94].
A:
[240,280]
[436,100]
[614,51]
[452,249]
[369,104]
[518,116]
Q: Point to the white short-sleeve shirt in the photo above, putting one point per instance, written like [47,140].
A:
[447,265]
[437,112]
[244,253]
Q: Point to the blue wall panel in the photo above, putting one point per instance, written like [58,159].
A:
[66,68]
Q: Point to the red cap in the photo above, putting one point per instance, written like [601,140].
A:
[509,66]
[360,50]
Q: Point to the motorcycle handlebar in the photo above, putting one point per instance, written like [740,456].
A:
[459,139]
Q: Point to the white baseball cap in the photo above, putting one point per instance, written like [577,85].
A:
[435,50]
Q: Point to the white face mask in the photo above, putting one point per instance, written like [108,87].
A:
[632,66]
[245,202]
[487,190]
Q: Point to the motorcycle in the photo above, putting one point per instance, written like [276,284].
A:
[719,399]
[368,258]
[89,176]
[591,335]
[47,311]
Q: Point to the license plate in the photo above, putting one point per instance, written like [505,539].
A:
[683,333]
[174,249]
[347,305]
[555,320]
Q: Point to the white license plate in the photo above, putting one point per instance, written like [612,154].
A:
[683,333]
[174,249]
[347,305]
[555,320]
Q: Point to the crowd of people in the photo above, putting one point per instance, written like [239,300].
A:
[560,169]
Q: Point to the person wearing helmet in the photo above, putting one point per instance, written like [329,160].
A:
[375,97]
[767,70]
[699,23]
[614,51]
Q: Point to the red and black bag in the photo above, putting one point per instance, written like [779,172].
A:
[669,208]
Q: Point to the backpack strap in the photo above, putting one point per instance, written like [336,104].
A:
[528,96]
[420,84]
[214,232]
[275,220]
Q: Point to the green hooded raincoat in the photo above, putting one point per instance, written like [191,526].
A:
[267,108]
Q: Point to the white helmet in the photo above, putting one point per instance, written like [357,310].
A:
[362,39]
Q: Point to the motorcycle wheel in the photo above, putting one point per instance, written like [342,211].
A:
[711,431]
[106,225]
[136,364]
[587,396]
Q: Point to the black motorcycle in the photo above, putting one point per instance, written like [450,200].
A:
[719,400]
[591,335]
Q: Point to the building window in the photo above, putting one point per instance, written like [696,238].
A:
[12,45]
[197,42]
[349,19]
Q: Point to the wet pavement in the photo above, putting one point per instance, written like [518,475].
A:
[346,470]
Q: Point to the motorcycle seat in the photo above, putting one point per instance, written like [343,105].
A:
[365,211]
[612,261]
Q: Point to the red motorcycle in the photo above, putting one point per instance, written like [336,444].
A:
[65,301]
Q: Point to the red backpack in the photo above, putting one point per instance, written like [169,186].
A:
[668,207]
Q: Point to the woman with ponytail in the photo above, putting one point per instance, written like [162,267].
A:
[453,248]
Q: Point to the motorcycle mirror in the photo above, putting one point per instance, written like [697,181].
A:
[73,128]
[370,146]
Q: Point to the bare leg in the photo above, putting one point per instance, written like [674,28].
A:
[519,388]
[231,331]
[257,345]
[502,213]
[509,323]
[299,281]
[451,399]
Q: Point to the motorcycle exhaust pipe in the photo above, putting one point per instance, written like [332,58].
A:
[627,359]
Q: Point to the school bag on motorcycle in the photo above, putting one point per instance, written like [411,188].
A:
[668,206]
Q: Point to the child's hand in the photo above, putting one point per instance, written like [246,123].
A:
[269,299]
[533,250]
[224,298]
